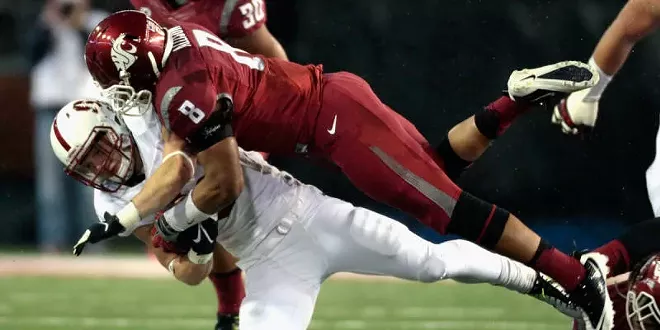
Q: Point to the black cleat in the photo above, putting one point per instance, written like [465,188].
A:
[550,292]
[227,322]
[591,294]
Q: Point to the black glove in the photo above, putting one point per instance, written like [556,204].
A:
[201,240]
[99,231]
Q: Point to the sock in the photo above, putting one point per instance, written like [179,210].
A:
[516,276]
[567,271]
[229,290]
[618,260]
[466,262]
[594,93]
[496,117]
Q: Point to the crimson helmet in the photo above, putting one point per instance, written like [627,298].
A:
[125,53]
[94,144]
[642,309]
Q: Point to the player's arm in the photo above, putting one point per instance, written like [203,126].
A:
[179,265]
[246,29]
[168,180]
[261,41]
[204,117]
[220,186]
[637,19]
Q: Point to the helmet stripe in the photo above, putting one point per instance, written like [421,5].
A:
[59,137]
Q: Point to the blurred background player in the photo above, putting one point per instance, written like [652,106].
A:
[58,75]
[240,23]
[283,107]
[579,111]
[636,20]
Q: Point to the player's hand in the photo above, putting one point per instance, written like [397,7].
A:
[99,231]
[201,239]
[575,114]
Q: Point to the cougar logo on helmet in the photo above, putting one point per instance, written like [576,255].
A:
[123,58]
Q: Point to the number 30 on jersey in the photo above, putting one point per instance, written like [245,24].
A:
[253,11]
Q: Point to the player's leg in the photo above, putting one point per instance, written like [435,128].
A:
[634,246]
[277,299]
[362,241]
[469,139]
[53,217]
[283,276]
[228,283]
[380,158]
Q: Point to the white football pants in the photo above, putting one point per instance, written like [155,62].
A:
[284,273]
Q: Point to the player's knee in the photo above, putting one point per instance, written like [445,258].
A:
[447,260]
[477,221]
[434,268]
[454,165]
[376,232]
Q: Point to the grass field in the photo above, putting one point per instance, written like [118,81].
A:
[70,302]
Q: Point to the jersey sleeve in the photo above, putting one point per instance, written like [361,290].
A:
[195,112]
[153,8]
[106,202]
[241,18]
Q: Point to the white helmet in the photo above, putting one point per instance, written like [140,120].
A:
[94,144]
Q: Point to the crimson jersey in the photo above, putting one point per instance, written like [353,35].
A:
[272,103]
[225,18]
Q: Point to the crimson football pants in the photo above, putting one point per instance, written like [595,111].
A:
[383,154]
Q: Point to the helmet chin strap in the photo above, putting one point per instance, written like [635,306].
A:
[135,179]
[124,99]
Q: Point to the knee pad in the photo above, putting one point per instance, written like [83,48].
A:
[453,164]
[376,232]
[463,261]
[441,258]
[488,123]
[478,221]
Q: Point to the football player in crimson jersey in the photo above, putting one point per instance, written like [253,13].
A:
[241,23]
[628,254]
[211,97]
[635,297]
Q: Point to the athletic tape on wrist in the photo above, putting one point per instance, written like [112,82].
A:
[199,259]
[185,214]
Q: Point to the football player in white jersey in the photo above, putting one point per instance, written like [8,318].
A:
[288,236]
[112,193]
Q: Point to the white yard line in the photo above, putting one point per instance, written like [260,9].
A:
[108,266]
[176,323]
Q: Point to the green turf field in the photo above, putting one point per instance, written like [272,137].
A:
[41,303]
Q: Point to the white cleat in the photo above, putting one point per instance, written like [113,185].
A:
[559,78]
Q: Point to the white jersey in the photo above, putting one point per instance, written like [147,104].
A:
[269,195]
[653,179]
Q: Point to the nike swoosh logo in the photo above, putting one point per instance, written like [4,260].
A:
[200,229]
[334,126]
[199,235]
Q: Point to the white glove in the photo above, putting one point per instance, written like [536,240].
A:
[575,112]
